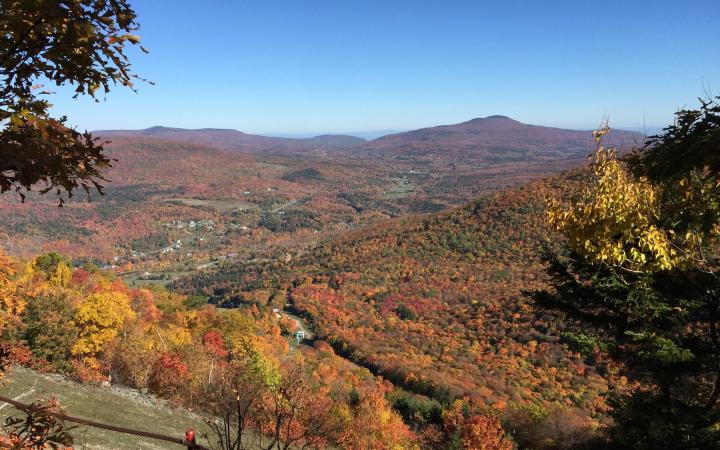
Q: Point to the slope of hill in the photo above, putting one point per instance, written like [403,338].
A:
[154,182]
[432,302]
[445,165]
[177,208]
[115,406]
[496,139]
[484,155]
[493,140]
[435,304]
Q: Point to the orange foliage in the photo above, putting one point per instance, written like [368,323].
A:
[475,431]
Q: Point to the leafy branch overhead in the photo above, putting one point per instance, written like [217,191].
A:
[78,43]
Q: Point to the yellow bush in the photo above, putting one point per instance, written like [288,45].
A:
[615,220]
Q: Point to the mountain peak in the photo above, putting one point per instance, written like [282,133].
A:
[490,122]
[493,119]
[159,129]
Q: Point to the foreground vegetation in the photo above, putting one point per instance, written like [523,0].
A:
[640,271]
[234,367]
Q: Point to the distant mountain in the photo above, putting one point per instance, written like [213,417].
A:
[373,134]
[493,140]
[497,138]
[367,135]
[333,140]
[228,139]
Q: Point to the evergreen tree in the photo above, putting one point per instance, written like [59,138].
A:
[641,268]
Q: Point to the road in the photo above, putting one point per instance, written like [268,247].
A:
[302,326]
[281,207]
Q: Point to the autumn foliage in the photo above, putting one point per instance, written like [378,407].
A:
[472,430]
[94,328]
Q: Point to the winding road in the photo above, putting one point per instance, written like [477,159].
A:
[302,326]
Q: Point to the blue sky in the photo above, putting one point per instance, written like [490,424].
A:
[332,66]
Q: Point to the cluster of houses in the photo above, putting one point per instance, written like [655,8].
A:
[191,224]
[176,245]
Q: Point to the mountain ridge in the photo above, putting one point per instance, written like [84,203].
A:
[497,132]
[480,133]
[230,139]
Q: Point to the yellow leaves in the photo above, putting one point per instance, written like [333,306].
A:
[656,242]
[46,272]
[121,39]
[61,275]
[177,336]
[100,318]
[715,231]
[374,425]
[11,304]
[252,353]
[614,221]
[600,133]
[344,414]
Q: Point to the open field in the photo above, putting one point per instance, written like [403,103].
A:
[401,189]
[222,206]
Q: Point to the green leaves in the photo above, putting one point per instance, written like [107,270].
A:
[690,144]
[583,343]
[660,350]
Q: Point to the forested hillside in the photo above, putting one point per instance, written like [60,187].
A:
[84,324]
[436,303]
[171,207]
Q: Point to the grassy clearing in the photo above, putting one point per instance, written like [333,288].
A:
[272,165]
[136,279]
[222,206]
[400,189]
[112,405]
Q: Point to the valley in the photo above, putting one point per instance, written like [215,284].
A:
[409,255]
[438,305]
[224,201]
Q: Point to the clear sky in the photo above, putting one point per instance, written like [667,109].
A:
[302,66]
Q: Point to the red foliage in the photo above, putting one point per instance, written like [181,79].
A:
[169,376]
[214,342]
[89,370]
[143,303]
[79,277]
[171,364]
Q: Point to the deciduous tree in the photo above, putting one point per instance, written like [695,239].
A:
[99,319]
